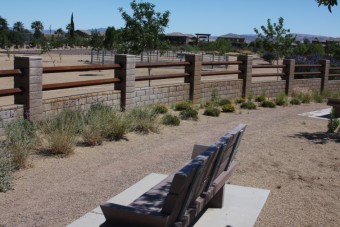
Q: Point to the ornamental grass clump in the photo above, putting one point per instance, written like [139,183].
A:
[144,120]
[212,111]
[262,97]
[183,106]
[119,124]
[268,104]
[223,102]
[6,170]
[21,137]
[61,131]
[96,121]
[160,108]
[295,101]
[228,108]
[249,105]
[171,120]
[189,114]
[281,99]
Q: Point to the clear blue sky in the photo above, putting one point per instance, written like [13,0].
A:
[217,17]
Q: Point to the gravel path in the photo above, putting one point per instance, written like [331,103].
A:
[281,151]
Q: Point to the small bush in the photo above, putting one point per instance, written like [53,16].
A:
[212,111]
[224,102]
[248,105]
[333,122]
[20,140]
[321,97]
[169,119]
[228,108]
[306,98]
[61,131]
[295,101]
[208,103]
[183,106]
[96,120]
[119,124]
[269,104]
[240,100]
[281,99]
[215,97]
[160,108]
[6,169]
[262,97]
[144,120]
[189,114]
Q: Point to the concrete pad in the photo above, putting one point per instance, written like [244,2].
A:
[323,114]
[242,205]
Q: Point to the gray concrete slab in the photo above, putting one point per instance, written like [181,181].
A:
[323,114]
[242,205]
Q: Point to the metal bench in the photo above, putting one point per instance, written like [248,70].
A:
[181,198]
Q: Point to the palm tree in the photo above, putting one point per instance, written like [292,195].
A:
[18,26]
[38,27]
[3,24]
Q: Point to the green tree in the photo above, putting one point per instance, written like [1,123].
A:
[72,27]
[96,40]
[328,3]
[222,46]
[18,26]
[144,29]
[111,38]
[3,24]
[38,37]
[276,39]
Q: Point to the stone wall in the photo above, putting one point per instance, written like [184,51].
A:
[225,88]
[161,94]
[271,88]
[9,113]
[82,102]
[311,84]
[334,85]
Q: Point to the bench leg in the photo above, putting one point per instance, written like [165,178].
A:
[217,200]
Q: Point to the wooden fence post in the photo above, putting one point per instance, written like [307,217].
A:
[246,69]
[31,83]
[324,74]
[127,75]
[289,70]
[195,70]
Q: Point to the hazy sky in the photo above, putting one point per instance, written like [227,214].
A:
[217,17]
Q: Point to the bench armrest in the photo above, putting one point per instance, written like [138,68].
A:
[132,216]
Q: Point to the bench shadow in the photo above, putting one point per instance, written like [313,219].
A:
[319,137]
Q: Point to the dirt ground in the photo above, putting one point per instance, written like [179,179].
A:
[290,155]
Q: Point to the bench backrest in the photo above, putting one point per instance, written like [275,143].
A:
[198,175]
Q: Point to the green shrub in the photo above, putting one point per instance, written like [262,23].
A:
[251,96]
[224,102]
[306,98]
[73,120]
[320,97]
[61,131]
[208,103]
[240,100]
[189,114]
[144,120]
[228,108]
[269,104]
[215,97]
[262,97]
[212,111]
[295,101]
[119,124]
[281,99]
[6,169]
[333,122]
[160,108]
[169,119]
[97,124]
[248,105]
[21,137]
[183,106]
